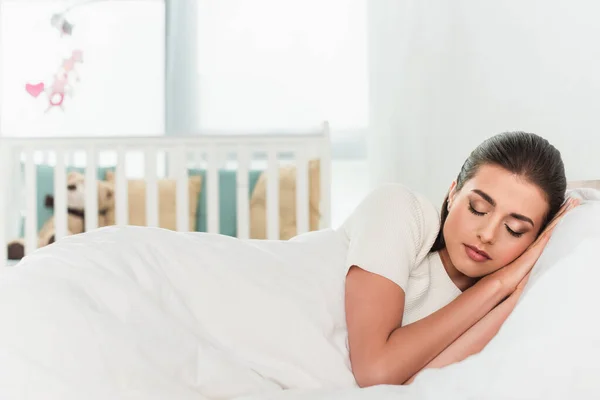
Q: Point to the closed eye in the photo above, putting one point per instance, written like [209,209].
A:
[474,211]
[513,233]
[510,231]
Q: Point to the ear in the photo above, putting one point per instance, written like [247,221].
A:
[74,177]
[71,176]
[451,194]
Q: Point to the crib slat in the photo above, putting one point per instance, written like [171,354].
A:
[151,187]
[325,178]
[272,194]
[243,203]
[91,191]
[177,160]
[30,203]
[197,160]
[171,163]
[213,190]
[121,190]
[302,196]
[60,196]
[5,176]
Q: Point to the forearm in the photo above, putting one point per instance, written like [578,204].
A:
[412,347]
[477,337]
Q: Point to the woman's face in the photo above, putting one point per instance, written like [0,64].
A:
[492,220]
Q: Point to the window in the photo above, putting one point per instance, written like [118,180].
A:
[257,65]
[119,86]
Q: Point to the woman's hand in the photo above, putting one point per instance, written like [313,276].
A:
[515,275]
[479,335]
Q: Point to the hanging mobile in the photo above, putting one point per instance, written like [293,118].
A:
[61,84]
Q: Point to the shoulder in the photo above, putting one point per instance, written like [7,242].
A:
[403,195]
[391,231]
[396,203]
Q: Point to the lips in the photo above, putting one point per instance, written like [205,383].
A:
[475,254]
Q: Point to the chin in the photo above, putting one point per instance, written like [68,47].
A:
[472,273]
[465,270]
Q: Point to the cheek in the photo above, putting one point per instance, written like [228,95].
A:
[508,250]
[458,223]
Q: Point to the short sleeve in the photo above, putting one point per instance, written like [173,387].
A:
[390,232]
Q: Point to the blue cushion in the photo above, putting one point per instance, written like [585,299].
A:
[227,200]
[227,196]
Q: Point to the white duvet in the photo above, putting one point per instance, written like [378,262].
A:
[141,313]
[137,312]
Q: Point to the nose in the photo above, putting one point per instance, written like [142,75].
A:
[487,232]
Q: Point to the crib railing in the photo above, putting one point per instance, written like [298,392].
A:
[175,154]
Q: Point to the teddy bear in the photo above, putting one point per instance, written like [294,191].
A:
[75,213]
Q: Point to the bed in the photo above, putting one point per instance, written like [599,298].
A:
[130,312]
[218,182]
[127,312]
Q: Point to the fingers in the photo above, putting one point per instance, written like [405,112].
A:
[545,235]
[569,205]
[543,238]
[523,265]
[523,282]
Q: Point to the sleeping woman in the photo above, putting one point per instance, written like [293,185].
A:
[424,293]
[398,288]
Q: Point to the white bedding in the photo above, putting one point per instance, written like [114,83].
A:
[121,311]
[164,315]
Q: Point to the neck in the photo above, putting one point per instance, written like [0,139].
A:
[462,281]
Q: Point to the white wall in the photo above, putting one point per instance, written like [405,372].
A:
[446,75]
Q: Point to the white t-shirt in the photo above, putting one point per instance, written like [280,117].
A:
[390,233]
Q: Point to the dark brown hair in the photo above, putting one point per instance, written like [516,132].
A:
[525,154]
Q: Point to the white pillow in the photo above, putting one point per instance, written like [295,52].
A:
[584,194]
[549,346]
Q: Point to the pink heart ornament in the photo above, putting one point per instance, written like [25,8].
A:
[35,90]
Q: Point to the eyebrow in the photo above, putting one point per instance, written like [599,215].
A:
[489,199]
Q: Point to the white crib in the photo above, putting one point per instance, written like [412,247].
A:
[151,157]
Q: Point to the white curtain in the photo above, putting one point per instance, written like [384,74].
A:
[267,64]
